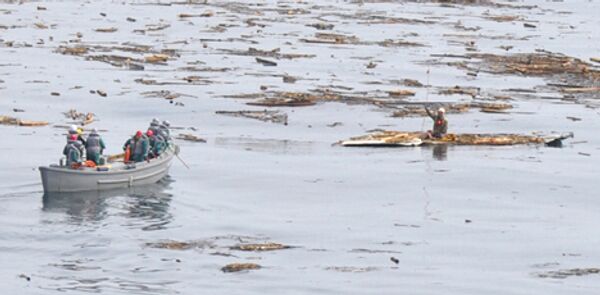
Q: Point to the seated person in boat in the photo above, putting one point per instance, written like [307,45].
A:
[164,131]
[94,147]
[440,124]
[155,126]
[72,152]
[137,147]
[157,144]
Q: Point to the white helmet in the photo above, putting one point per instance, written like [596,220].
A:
[166,123]
[442,110]
[73,128]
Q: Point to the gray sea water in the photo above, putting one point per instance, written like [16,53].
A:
[459,220]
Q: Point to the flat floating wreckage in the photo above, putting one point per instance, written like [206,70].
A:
[402,138]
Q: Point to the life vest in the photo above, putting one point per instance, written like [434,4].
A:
[127,157]
[93,143]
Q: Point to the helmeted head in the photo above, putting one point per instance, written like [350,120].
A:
[149,133]
[166,123]
[155,122]
[441,111]
[73,137]
[94,132]
[72,129]
[138,134]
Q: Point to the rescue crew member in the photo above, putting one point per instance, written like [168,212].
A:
[138,147]
[157,144]
[72,152]
[94,147]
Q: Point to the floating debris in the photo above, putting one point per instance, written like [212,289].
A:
[266,116]
[260,247]
[176,245]
[274,53]
[166,94]
[401,138]
[563,274]
[235,267]
[471,91]
[107,30]
[6,120]
[401,92]
[321,26]
[190,137]
[156,58]
[266,62]
[82,118]
[352,269]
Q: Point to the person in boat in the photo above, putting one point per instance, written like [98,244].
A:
[440,124]
[164,131]
[157,144]
[138,147]
[94,147]
[72,152]
[155,126]
[80,142]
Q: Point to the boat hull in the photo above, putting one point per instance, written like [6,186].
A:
[60,179]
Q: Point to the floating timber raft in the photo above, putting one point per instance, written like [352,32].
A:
[401,138]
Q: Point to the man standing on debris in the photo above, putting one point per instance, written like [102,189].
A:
[72,152]
[94,146]
[156,144]
[440,124]
[138,147]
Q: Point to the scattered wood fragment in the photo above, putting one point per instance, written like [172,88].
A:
[6,120]
[82,118]
[471,91]
[207,13]
[574,119]
[265,116]
[54,93]
[40,26]
[266,62]
[563,274]
[401,93]
[580,90]
[289,79]
[595,59]
[260,247]
[321,26]
[156,58]
[235,267]
[527,25]
[171,245]
[190,137]
[503,18]
[106,30]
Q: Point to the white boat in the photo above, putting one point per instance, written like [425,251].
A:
[114,175]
